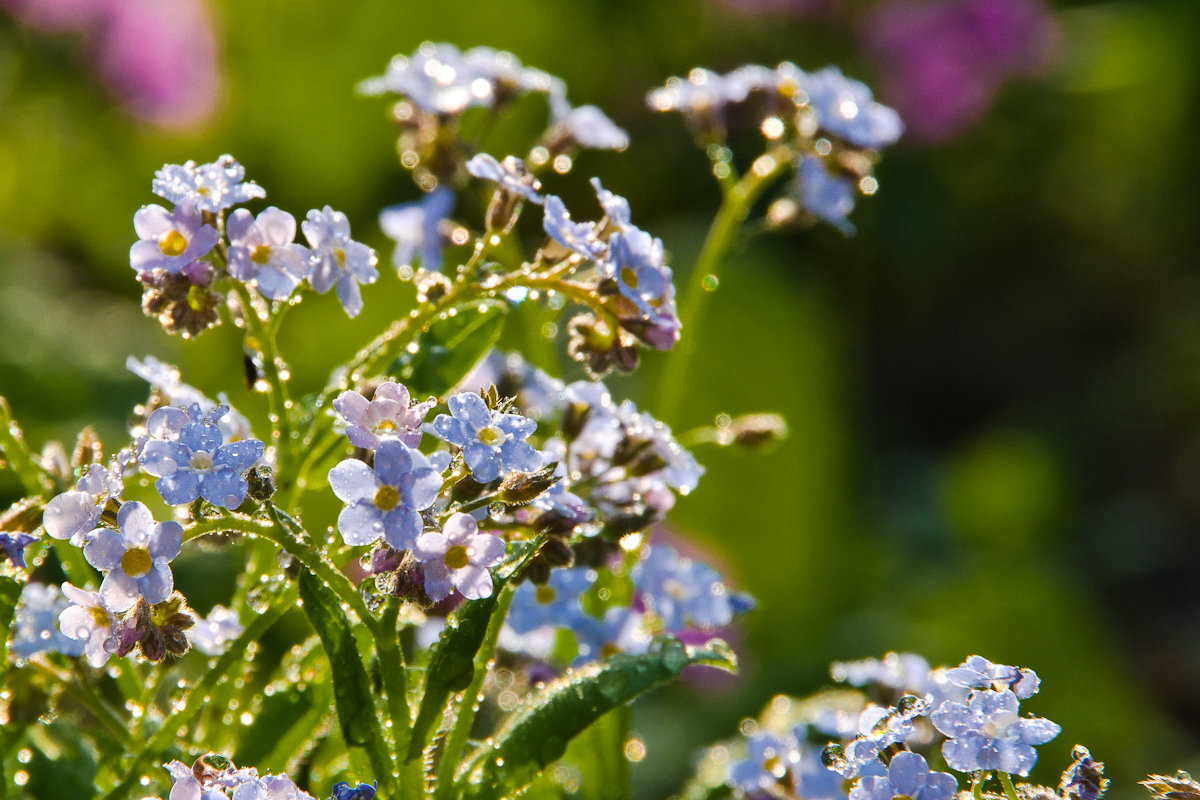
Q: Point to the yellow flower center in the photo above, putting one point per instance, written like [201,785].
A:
[201,461]
[629,277]
[172,243]
[387,498]
[100,617]
[261,254]
[456,557]
[491,435]
[136,562]
[340,255]
[385,425]
[545,595]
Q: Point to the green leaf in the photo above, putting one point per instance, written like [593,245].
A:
[536,736]
[450,348]
[452,664]
[10,592]
[352,695]
[280,717]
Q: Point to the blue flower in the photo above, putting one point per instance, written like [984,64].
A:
[827,197]
[979,673]
[387,500]
[262,250]
[703,94]
[416,228]
[622,630]
[768,758]
[908,776]
[682,592]
[579,237]
[588,126]
[14,544]
[136,558]
[169,240]
[555,602]
[492,443]
[986,732]
[903,671]
[846,109]
[511,174]
[190,460]
[336,258]
[213,633]
[211,187]
[88,620]
[363,791]
[74,514]
[436,79]
[35,625]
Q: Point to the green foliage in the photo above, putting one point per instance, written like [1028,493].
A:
[449,349]
[538,735]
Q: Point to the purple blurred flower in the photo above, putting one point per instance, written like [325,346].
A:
[946,59]
[159,57]
[415,227]
[13,545]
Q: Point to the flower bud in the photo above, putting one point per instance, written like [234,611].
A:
[757,430]
[518,488]
[88,449]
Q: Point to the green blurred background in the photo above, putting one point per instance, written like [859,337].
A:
[993,389]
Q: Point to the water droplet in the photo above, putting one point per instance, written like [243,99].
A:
[611,684]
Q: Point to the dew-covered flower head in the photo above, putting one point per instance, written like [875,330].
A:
[211,187]
[555,602]
[846,109]
[987,732]
[510,174]
[88,619]
[827,197]
[213,633]
[35,623]
[459,557]
[170,240]
[385,501]
[74,514]
[335,258]
[588,126]
[682,592]
[136,557]
[908,775]
[492,442]
[262,250]
[190,459]
[387,415]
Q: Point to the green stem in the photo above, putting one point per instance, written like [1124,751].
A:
[1006,781]
[977,785]
[33,478]
[259,338]
[468,702]
[737,199]
[395,679]
[166,735]
[81,689]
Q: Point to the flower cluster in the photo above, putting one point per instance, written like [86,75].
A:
[827,125]
[187,256]
[969,713]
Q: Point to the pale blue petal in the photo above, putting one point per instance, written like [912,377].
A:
[393,461]
[402,526]
[353,480]
[157,584]
[238,456]
[470,408]
[520,456]
[225,488]
[483,461]
[453,430]
[178,489]
[104,549]
[516,425]
[119,591]
[166,541]
[360,523]
[426,483]
[161,458]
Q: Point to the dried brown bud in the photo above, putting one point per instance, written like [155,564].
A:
[88,449]
[1181,786]
[518,488]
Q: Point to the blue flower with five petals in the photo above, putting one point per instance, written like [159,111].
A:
[191,461]
[492,443]
[387,500]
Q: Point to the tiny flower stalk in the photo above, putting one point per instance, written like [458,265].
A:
[737,197]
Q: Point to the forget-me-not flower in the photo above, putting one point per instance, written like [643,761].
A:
[75,513]
[335,258]
[416,229]
[579,237]
[190,460]
[682,592]
[556,602]
[908,775]
[136,558]
[986,732]
[263,250]
[362,791]
[846,109]
[510,174]
[35,623]
[979,673]
[492,443]
[14,544]
[170,240]
[387,500]
[212,187]
[588,126]
[387,415]
[88,620]
[826,197]
[768,758]
[213,633]
[459,557]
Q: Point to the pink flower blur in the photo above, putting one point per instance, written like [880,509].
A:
[158,57]
[942,61]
